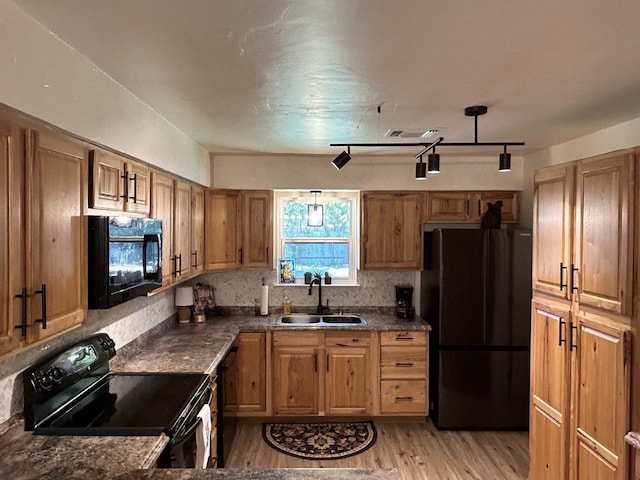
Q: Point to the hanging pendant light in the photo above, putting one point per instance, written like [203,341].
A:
[315,217]
[505,161]
[433,160]
[421,170]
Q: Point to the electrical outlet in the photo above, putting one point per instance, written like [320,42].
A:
[370,282]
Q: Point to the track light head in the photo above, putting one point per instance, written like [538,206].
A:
[433,161]
[505,161]
[421,170]
[342,159]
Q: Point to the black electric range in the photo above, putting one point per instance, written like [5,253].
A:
[74,393]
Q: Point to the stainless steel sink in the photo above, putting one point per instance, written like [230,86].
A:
[321,320]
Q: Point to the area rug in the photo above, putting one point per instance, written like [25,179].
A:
[320,441]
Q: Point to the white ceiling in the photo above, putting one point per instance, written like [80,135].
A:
[293,76]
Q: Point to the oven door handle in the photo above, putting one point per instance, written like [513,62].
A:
[180,437]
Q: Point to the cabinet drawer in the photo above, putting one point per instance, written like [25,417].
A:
[403,338]
[298,338]
[403,396]
[400,363]
[348,339]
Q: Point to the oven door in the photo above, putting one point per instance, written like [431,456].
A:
[181,452]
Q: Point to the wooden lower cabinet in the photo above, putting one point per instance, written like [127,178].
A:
[245,382]
[296,377]
[348,373]
[579,395]
[403,373]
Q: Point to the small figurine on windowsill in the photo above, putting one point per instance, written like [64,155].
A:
[327,278]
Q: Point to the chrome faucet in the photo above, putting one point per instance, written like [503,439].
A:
[318,279]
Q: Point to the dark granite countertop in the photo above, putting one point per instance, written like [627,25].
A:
[193,347]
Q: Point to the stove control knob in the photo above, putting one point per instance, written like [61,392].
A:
[57,373]
[45,381]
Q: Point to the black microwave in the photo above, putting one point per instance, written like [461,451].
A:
[125,259]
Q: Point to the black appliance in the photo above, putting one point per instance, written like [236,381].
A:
[476,294]
[74,393]
[125,259]
[404,301]
[226,424]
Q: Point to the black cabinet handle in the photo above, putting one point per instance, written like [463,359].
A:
[174,269]
[561,323]
[315,362]
[572,337]
[404,399]
[563,268]
[404,364]
[23,317]
[43,292]
[180,260]
[195,259]
[135,188]
[327,362]
[240,250]
[125,177]
[573,271]
[401,337]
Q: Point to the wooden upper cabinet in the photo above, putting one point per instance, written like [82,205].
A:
[12,237]
[468,207]
[391,234]
[552,230]
[118,184]
[197,229]
[448,207]
[162,208]
[257,230]
[181,229]
[223,235]
[238,229]
[57,251]
[603,232]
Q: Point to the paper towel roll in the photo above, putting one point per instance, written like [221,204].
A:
[264,300]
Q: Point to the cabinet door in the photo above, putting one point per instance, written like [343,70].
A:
[510,205]
[295,380]
[257,236]
[602,401]
[604,226]
[222,214]
[197,229]
[12,238]
[550,380]
[391,231]
[139,200]
[552,224]
[162,208]
[106,181]
[58,255]
[182,228]
[348,380]
[245,382]
[448,207]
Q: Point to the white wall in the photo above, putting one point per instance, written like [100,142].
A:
[46,78]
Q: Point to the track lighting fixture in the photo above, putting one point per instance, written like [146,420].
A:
[342,159]
[421,170]
[433,159]
[505,161]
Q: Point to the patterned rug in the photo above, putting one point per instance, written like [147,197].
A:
[320,441]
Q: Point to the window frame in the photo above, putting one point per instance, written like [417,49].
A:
[353,196]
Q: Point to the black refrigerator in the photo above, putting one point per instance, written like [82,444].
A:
[476,294]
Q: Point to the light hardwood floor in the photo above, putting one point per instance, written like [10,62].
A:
[418,451]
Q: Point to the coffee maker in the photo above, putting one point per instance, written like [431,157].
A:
[404,301]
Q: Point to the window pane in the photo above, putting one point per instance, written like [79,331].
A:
[319,257]
[336,223]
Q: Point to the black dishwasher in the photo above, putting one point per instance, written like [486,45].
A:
[226,425]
